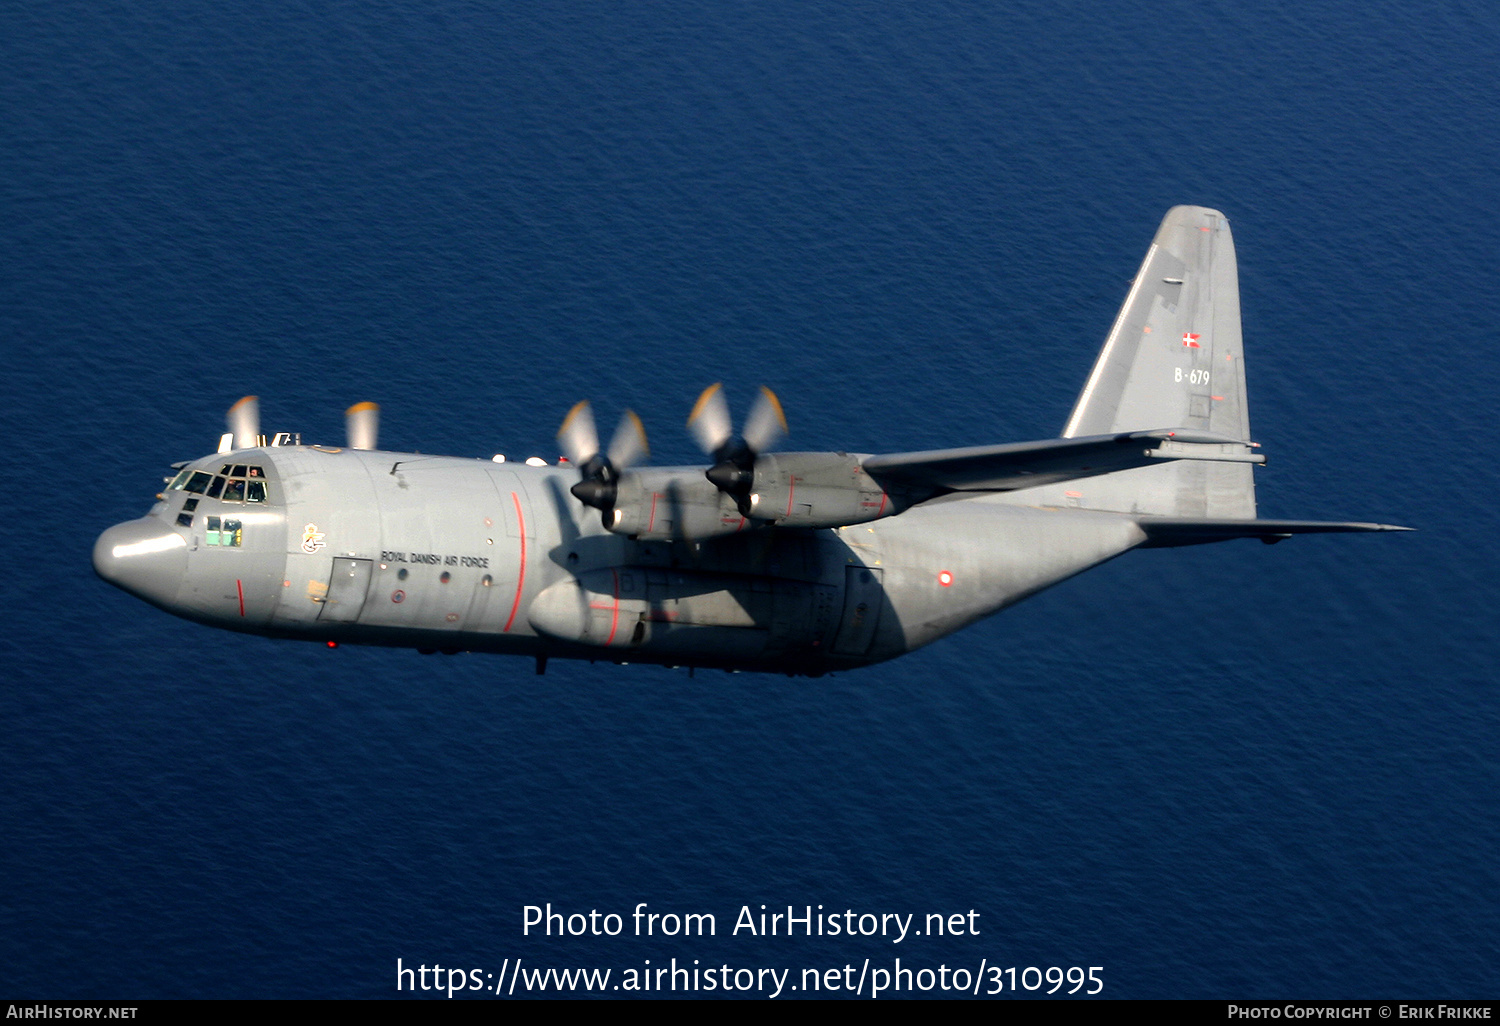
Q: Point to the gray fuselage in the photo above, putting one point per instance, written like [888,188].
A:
[449,554]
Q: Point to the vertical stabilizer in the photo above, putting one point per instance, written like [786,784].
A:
[1174,360]
[1173,357]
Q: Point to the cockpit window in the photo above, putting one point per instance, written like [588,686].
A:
[236,482]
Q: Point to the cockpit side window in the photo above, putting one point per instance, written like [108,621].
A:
[224,532]
[215,487]
[198,482]
[179,480]
[255,490]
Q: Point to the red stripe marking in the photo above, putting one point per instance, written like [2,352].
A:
[883,498]
[521,577]
[614,621]
[241,589]
[652,522]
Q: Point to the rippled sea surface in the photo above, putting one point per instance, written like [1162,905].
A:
[1232,770]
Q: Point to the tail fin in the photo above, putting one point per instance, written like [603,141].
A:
[1174,360]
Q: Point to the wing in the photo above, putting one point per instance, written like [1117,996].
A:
[1003,468]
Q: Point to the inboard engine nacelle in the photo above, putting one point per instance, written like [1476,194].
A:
[804,489]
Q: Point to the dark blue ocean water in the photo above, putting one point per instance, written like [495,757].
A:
[1232,770]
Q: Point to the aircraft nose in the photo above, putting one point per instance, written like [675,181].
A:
[144,557]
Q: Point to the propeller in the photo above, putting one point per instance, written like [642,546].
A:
[733,472]
[243,421]
[362,425]
[600,472]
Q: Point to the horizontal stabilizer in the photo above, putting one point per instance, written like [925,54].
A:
[1164,532]
[1002,468]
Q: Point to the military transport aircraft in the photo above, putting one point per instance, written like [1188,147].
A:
[799,563]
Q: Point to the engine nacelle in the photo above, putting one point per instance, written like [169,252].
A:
[818,489]
[667,505]
[800,489]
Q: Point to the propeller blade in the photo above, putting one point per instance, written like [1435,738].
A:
[598,472]
[733,472]
[577,436]
[709,422]
[362,425]
[767,423]
[243,421]
[628,446]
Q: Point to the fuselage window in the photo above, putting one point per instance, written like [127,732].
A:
[189,505]
[184,520]
[198,482]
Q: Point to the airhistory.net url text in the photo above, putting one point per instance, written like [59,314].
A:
[864,980]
